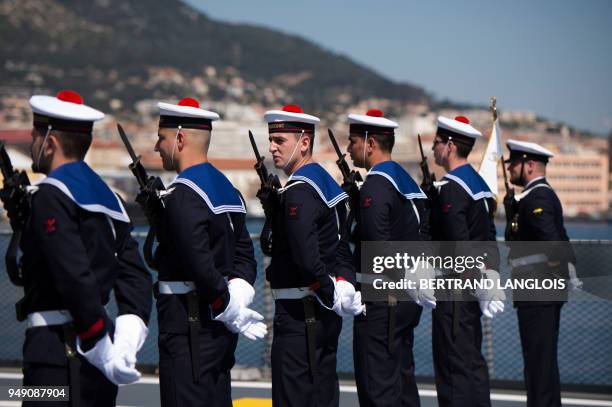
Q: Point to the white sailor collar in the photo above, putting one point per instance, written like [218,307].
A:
[399,178]
[467,177]
[213,187]
[86,189]
[314,175]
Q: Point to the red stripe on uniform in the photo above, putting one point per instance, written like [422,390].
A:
[93,330]
[217,303]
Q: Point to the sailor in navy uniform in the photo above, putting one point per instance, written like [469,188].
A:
[539,217]
[310,272]
[463,211]
[392,208]
[206,265]
[76,249]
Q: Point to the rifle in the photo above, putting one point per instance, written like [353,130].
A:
[14,196]
[350,178]
[267,195]
[510,208]
[427,185]
[148,198]
[350,183]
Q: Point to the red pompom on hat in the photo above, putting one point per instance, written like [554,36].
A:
[292,109]
[191,102]
[187,114]
[65,111]
[373,122]
[69,96]
[458,128]
[290,119]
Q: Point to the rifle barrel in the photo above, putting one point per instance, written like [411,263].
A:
[127,143]
[7,170]
[334,143]
[421,147]
[254,145]
[506,184]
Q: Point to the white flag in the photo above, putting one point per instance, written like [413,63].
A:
[488,166]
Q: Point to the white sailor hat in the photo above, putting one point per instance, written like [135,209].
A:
[291,119]
[372,122]
[458,130]
[187,114]
[527,150]
[65,112]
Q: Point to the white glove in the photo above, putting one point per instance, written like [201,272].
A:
[491,301]
[575,282]
[350,301]
[422,296]
[337,301]
[239,319]
[241,290]
[103,357]
[490,308]
[130,334]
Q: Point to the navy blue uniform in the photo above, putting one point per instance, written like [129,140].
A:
[540,218]
[392,208]
[307,251]
[76,249]
[463,211]
[204,241]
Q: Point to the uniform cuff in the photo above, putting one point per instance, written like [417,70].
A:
[92,335]
[219,304]
[93,330]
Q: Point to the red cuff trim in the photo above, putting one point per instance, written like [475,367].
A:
[340,278]
[217,304]
[315,286]
[93,330]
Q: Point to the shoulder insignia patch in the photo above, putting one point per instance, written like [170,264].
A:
[293,211]
[49,225]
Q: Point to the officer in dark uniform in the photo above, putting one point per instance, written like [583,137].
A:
[310,272]
[463,211]
[206,265]
[392,208]
[538,216]
[77,248]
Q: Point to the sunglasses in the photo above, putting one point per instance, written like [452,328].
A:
[438,141]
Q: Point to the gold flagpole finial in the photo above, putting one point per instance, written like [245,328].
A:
[494,107]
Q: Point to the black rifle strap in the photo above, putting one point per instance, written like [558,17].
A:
[392,309]
[148,248]
[12,265]
[456,313]
[311,333]
[74,364]
[193,315]
[266,237]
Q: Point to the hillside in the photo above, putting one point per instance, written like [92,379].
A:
[132,50]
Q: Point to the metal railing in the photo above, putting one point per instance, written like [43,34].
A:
[585,342]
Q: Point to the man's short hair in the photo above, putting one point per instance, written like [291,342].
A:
[385,142]
[463,149]
[74,145]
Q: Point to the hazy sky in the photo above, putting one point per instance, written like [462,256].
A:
[550,57]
